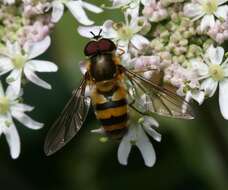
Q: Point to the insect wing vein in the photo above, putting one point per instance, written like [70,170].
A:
[69,122]
[151,98]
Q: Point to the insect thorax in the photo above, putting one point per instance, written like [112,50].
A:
[102,67]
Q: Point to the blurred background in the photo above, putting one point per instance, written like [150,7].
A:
[193,155]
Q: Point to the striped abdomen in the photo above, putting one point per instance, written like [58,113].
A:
[110,106]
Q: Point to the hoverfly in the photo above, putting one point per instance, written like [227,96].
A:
[110,98]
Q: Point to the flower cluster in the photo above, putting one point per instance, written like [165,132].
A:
[184,40]
[25,27]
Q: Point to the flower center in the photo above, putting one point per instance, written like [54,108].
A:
[124,32]
[216,72]
[19,61]
[4,105]
[210,6]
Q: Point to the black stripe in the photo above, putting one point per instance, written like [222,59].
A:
[114,120]
[117,134]
[111,104]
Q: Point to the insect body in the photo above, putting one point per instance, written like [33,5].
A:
[110,97]
[111,107]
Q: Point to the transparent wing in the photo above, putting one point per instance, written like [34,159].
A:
[147,97]
[69,122]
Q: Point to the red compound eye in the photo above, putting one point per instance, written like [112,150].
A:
[91,48]
[106,45]
[101,46]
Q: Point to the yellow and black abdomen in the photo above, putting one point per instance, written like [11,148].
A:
[111,108]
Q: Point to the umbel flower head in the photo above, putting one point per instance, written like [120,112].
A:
[174,46]
[10,107]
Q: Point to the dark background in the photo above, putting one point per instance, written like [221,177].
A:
[193,155]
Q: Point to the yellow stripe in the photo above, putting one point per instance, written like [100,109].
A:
[105,114]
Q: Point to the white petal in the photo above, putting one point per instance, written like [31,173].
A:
[192,10]
[150,121]
[76,9]
[222,12]
[146,149]
[5,65]
[108,30]
[124,150]
[13,49]
[57,11]
[13,140]
[26,120]
[215,54]
[22,107]
[133,11]
[154,134]
[91,7]
[38,48]
[199,96]
[30,75]
[139,41]
[220,2]
[14,80]
[223,98]
[199,66]
[85,31]
[209,86]
[14,75]
[12,92]
[206,22]
[41,66]
[134,25]
[120,2]
[225,68]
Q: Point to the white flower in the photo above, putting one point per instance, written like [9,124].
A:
[207,10]
[10,107]
[213,71]
[9,2]
[20,60]
[130,7]
[136,136]
[76,7]
[122,34]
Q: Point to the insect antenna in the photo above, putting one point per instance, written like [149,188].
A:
[96,36]
[92,34]
[100,32]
